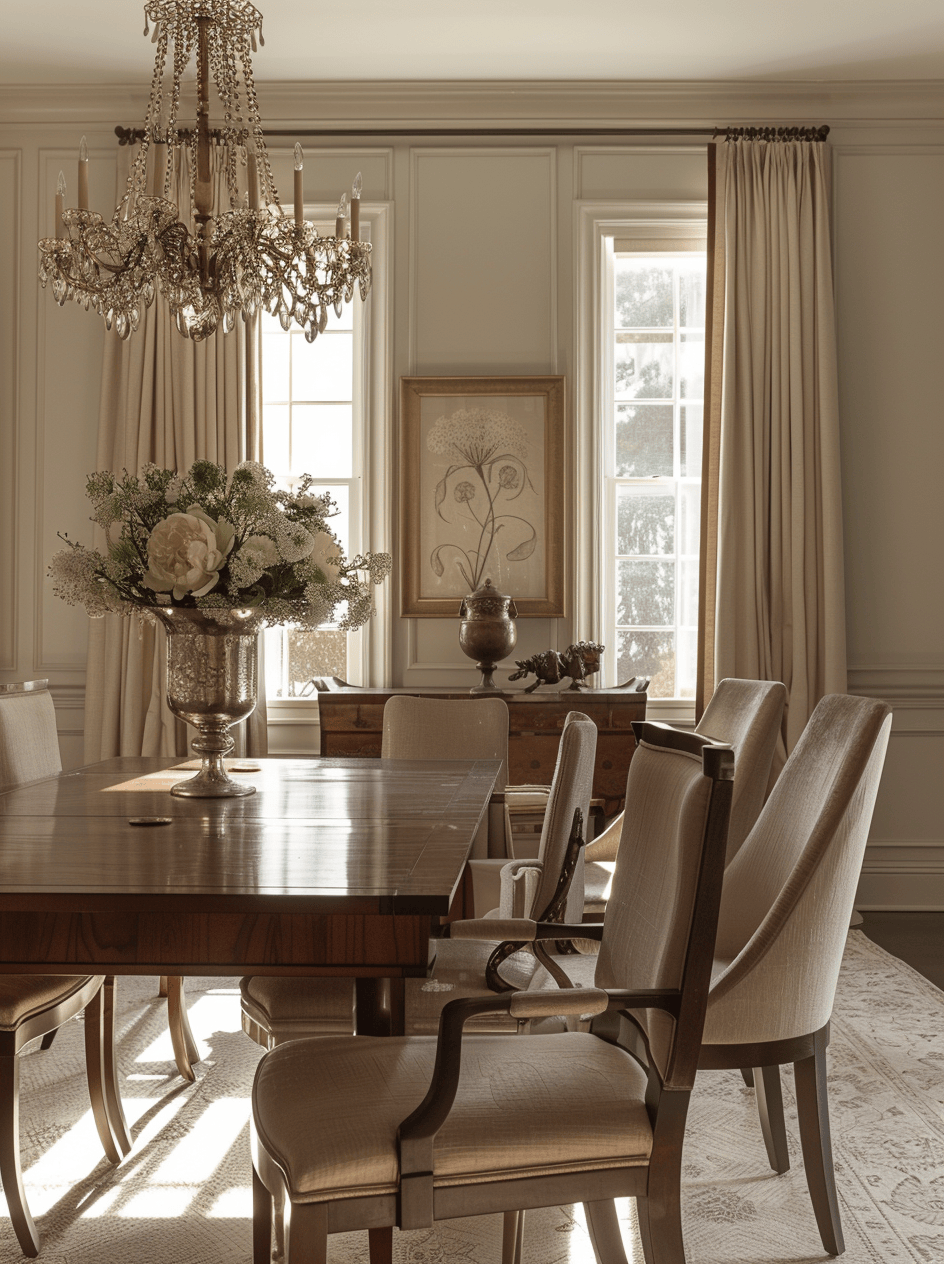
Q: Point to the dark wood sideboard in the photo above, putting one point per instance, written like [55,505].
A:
[352,724]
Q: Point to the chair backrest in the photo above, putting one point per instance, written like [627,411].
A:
[789,892]
[673,842]
[29,743]
[571,788]
[746,714]
[447,728]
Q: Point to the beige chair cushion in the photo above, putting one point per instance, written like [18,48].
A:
[24,995]
[328,1110]
[292,1007]
[29,744]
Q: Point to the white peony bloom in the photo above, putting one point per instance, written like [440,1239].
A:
[186,552]
[324,553]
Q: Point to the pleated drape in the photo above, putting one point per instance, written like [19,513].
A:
[171,401]
[772,596]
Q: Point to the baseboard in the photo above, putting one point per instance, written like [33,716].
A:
[905,875]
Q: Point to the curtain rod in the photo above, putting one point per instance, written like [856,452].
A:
[133,135]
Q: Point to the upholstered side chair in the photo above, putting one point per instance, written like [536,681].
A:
[34,1005]
[275,1010]
[784,918]
[372,1133]
[747,715]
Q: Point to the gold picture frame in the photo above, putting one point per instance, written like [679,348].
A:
[481,492]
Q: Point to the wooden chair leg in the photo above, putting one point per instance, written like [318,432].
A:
[519,1237]
[605,1236]
[95,1070]
[186,1052]
[815,1140]
[162,986]
[380,1245]
[261,1221]
[11,1175]
[116,1114]
[306,1233]
[46,1042]
[770,1112]
[747,1075]
[509,1236]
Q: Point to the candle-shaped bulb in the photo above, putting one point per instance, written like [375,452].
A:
[356,207]
[341,216]
[299,187]
[83,175]
[59,227]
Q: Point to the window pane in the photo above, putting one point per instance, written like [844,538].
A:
[323,369]
[644,441]
[275,445]
[689,518]
[645,593]
[692,366]
[648,654]
[692,297]
[685,668]
[645,521]
[310,654]
[644,370]
[688,593]
[275,367]
[322,440]
[643,295]
[691,420]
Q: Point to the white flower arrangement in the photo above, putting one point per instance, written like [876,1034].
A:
[203,540]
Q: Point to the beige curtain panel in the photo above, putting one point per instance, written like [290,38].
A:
[771,594]
[171,401]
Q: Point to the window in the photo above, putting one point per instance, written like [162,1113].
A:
[653,348]
[324,408]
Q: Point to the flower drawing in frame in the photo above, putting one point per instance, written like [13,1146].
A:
[482,491]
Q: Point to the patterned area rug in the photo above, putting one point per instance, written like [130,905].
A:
[183,1196]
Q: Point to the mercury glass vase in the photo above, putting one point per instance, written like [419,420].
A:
[211,683]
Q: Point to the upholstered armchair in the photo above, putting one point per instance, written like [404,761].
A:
[744,713]
[371,1132]
[784,918]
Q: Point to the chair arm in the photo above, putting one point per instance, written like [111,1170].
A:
[519,884]
[417,1132]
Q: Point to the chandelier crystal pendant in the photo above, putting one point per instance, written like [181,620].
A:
[211,264]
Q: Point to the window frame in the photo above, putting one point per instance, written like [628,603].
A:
[369,648]
[596,224]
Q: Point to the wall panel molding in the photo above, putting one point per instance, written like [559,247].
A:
[10,226]
[531,102]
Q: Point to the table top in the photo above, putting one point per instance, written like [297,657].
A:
[319,835]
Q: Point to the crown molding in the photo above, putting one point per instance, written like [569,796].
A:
[534,103]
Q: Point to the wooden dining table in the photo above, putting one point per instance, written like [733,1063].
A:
[336,867]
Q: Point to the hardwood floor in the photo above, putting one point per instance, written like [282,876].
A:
[917,938]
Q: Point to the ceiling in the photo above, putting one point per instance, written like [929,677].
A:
[89,41]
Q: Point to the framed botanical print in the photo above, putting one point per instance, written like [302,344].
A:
[481,492]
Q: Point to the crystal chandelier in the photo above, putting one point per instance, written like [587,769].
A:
[211,264]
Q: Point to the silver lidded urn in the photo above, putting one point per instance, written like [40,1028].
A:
[211,683]
[487,631]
